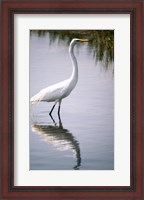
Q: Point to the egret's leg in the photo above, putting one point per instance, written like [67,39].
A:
[52,108]
[53,120]
[60,122]
[59,108]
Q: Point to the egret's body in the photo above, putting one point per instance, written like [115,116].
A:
[55,93]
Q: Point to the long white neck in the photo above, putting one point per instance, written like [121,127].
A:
[74,76]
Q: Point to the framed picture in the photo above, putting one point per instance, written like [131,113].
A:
[71,82]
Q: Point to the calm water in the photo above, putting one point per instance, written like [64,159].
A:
[84,138]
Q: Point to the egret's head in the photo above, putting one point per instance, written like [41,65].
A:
[76,40]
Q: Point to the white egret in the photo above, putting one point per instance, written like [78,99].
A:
[55,93]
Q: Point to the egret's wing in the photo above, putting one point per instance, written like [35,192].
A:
[51,93]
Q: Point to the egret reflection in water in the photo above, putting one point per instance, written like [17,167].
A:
[60,137]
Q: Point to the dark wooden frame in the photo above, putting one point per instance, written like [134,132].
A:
[11,7]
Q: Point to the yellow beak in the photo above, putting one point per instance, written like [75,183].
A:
[84,40]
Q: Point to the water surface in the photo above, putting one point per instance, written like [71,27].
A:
[84,136]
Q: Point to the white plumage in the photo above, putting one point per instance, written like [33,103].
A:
[51,93]
[55,93]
